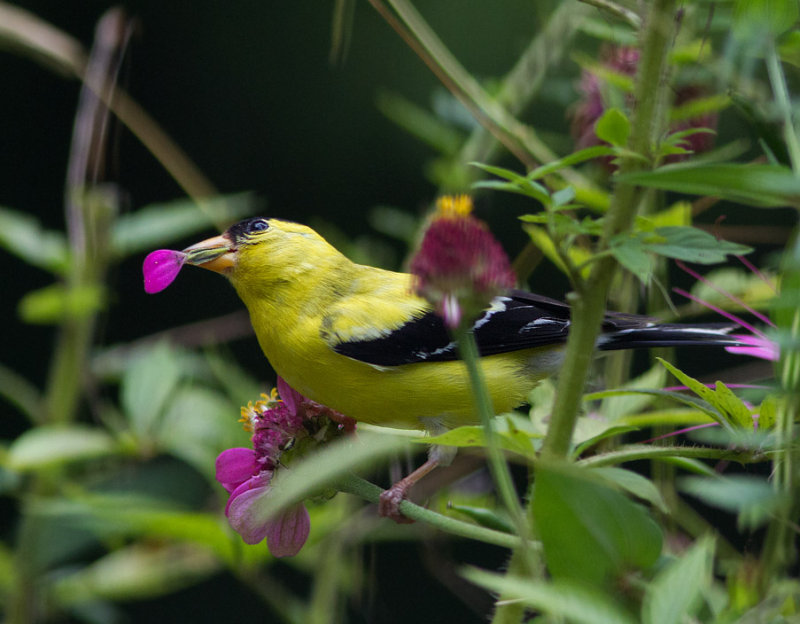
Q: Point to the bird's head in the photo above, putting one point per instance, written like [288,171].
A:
[268,250]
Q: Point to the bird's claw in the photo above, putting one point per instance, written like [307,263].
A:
[389,504]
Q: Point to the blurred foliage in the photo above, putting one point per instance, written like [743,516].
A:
[107,470]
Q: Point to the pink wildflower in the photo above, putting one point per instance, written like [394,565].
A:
[459,266]
[160,269]
[246,473]
[757,343]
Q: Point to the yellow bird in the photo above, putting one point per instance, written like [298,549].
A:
[359,340]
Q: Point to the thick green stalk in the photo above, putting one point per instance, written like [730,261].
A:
[590,300]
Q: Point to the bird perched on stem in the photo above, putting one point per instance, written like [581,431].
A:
[363,341]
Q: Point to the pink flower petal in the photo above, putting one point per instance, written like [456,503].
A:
[241,518]
[235,466]
[160,268]
[287,533]
[259,480]
[762,348]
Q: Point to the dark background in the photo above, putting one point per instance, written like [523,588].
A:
[248,91]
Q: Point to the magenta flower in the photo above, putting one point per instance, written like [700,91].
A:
[160,269]
[281,428]
[459,265]
[757,343]
[595,89]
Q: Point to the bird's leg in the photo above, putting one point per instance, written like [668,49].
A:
[389,505]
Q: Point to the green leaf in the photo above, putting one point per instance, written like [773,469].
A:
[634,484]
[516,183]
[756,185]
[198,425]
[694,245]
[158,224]
[613,127]
[630,253]
[675,595]
[763,18]
[753,498]
[607,430]
[617,407]
[147,385]
[322,469]
[590,532]
[48,446]
[728,405]
[589,153]
[509,437]
[137,572]
[23,235]
[485,517]
[55,303]
[565,599]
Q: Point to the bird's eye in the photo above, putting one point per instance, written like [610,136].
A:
[259,225]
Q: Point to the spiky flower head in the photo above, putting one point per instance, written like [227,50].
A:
[459,265]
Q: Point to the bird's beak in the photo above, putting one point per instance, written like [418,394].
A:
[216,254]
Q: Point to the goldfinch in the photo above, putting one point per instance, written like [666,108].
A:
[359,340]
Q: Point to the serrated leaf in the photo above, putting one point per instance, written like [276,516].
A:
[767,186]
[693,245]
[590,533]
[675,595]
[23,235]
[55,303]
[726,404]
[51,445]
[613,127]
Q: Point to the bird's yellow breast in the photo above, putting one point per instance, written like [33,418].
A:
[304,297]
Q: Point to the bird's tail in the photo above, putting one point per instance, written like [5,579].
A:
[705,335]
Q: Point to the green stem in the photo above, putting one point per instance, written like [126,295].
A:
[635,452]
[498,467]
[784,104]
[371,492]
[589,303]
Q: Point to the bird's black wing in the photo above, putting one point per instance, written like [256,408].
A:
[522,320]
[517,320]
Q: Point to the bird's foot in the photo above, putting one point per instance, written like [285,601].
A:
[389,504]
[390,500]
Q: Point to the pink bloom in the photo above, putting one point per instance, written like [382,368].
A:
[459,265]
[757,342]
[160,269]
[246,473]
[760,347]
